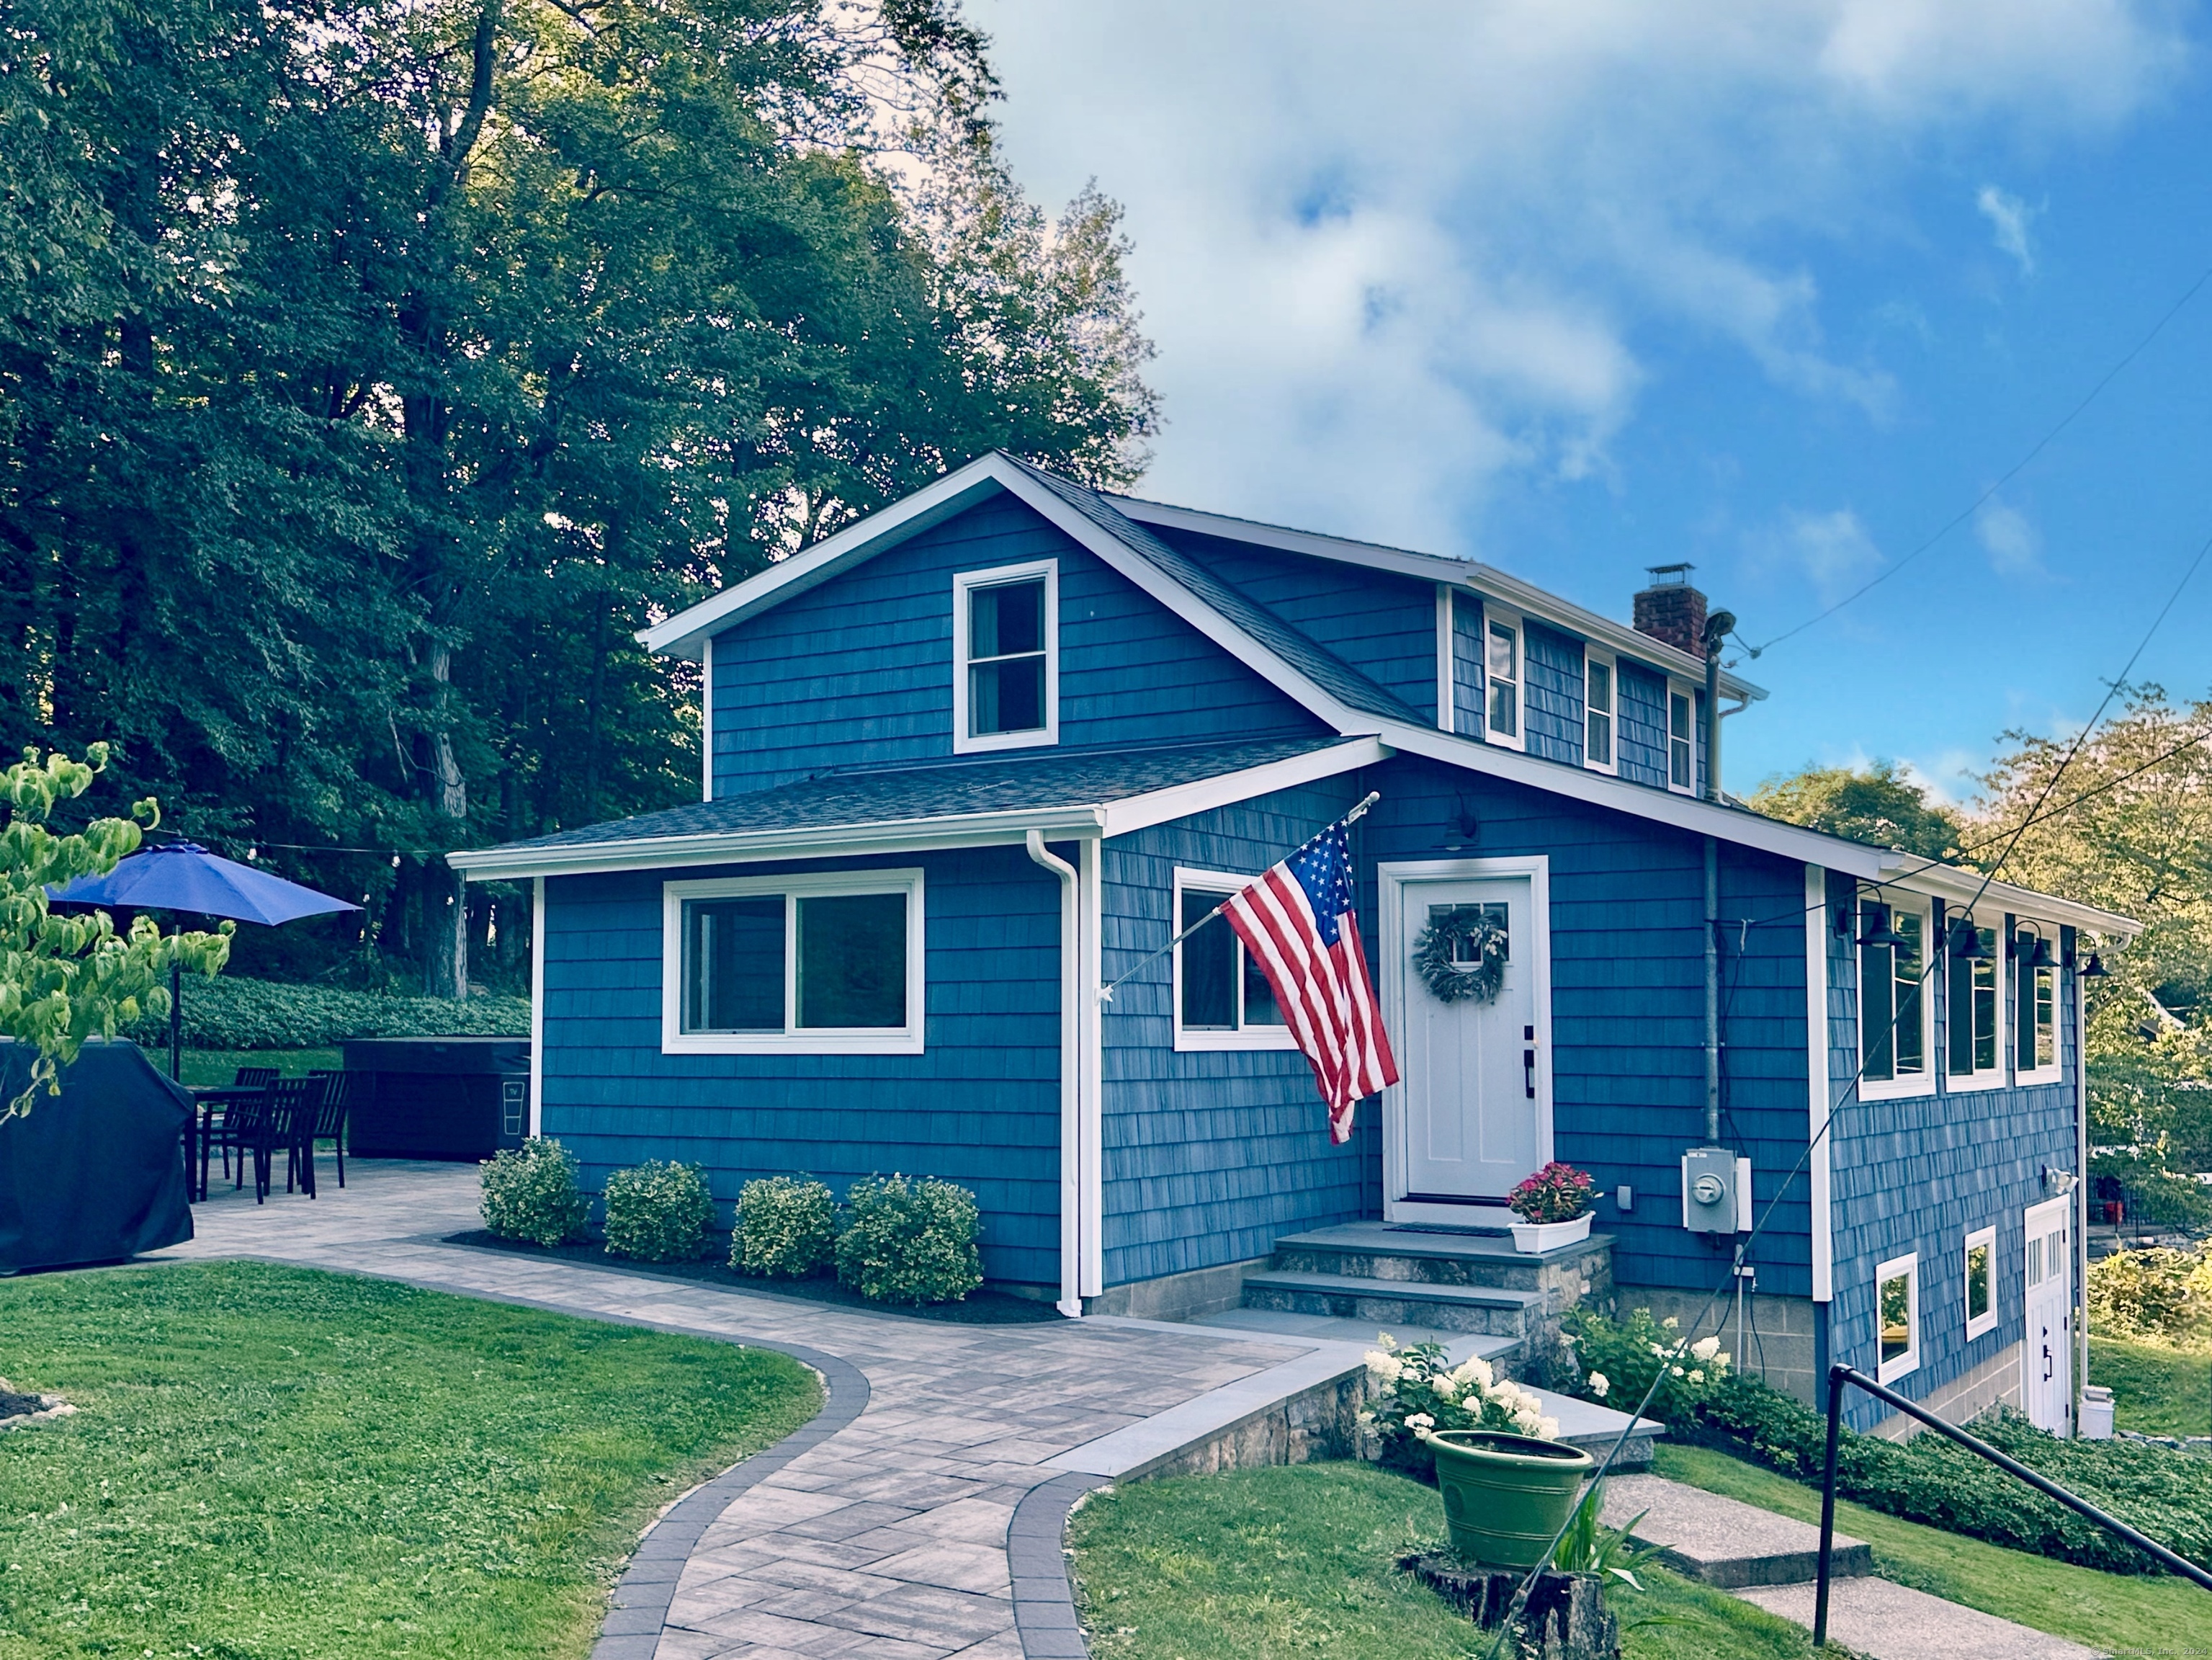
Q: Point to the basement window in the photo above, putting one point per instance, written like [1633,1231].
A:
[1897,1318]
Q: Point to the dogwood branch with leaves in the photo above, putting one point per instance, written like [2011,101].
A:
[65,979]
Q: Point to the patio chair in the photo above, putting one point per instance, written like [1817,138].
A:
[330,1124]
[292,1105]
[247,1078]
[245,1128]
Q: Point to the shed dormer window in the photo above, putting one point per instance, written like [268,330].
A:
[1502,655]
[1682,741]
[1006,687]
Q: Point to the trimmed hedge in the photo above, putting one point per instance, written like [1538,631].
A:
[659,1212]
[230,1014]
[910,1240]
[786,1228]
[529,1192]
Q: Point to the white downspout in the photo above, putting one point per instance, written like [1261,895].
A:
[1091,974]
[537,1005]
[1070,1077]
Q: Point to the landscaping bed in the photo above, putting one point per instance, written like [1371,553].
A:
[978,1308]
[273,1462]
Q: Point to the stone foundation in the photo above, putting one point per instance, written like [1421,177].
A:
[1996,1381]
[1188,1296]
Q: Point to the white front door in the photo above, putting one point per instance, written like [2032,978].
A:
[1474,1109]
[2046,1359]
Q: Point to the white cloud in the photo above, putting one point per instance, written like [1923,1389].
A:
[1386,264]
[1833,549]
[2009,218]
[2014,545]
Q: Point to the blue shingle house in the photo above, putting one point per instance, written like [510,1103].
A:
[984,752]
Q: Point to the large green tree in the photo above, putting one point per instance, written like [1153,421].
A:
[370,370]
[1877,804]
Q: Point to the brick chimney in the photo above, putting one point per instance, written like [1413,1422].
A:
[1672,611]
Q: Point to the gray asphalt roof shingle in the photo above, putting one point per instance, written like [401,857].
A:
[1054,778]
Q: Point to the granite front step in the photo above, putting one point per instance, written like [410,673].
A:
[1724,1541]
[1383,1302]
[1375,1250]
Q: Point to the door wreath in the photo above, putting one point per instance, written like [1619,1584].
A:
[1461,955]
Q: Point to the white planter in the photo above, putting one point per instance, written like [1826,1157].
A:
[1550,1236]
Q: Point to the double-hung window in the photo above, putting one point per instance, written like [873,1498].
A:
[1974,1011]
[1897,1318]
[1502,667]
[1222,999]
[1599,711]
[812,965]
[1681,738]
[1006,648]
[2035,1016]
[1894,997]
[1981,1282]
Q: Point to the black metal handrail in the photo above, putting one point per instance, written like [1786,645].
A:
[1840,1375]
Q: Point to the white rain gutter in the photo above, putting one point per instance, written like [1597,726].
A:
[1071,1074]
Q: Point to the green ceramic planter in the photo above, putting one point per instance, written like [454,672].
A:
[1506,1495]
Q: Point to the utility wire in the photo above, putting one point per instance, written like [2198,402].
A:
[2009,474]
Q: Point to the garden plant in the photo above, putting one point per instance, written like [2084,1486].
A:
[1556,1193]
[659,1212]
[786,1228]
[910,1239]
[1418,1394]
[529,1192]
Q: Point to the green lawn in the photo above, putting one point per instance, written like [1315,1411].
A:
[1297,1562]
[220,1066]
[2107,1611]
[288,1465]
[2157,1391]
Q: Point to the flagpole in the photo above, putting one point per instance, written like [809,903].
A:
[1106,991]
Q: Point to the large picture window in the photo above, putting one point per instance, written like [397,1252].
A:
[1897,1318]
[1974,1012]
[1893,996]
[1005,639]
[822,964]
[1222,1000]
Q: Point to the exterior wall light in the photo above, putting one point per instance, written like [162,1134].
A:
[1966,941]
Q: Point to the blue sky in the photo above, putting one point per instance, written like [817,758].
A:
[1579,289]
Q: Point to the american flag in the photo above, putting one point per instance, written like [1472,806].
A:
[1297,921]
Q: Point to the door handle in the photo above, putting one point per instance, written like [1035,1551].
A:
[2046,1363]
[1528,1071]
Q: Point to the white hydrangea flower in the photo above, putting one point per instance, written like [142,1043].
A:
[1722,1361]
[1547,1429]
[1365,1417]
[1474,1373]
[1600,1384]
[1659,1349]
[1671,1323]
[1384,1368]
[1706,1348]
[1696,1376]
[1677,1370]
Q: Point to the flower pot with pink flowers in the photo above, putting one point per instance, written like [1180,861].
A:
[1553,1206]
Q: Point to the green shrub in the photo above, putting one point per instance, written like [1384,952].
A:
[1415,1391]
[910,1241]
[231,1013]
[659,1212]
[2156,1295]
[1615,1360]
[786,1226]
[2167,1494]
[529,1192]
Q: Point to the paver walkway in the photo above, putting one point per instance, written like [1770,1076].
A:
[889,1538]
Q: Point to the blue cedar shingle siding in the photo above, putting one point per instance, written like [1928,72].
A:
[1553,693]
[1918,1176]
[1210,1157]
[981,1106]
[1382,623]
[1470,716]
[1189,1189]
[858,672]
[1642,724]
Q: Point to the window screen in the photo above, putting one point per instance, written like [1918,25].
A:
[1224,987]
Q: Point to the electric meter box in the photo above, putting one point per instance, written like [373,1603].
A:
[1715,1191]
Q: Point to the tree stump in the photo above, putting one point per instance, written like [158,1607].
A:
[1564,1617]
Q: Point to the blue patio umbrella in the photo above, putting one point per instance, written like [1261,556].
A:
[183,876]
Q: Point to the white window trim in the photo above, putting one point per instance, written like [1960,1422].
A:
[1977,1324]
[1243,1038]
[1518,738]
[1678,688]
[1445,691]
[2001,1076]
[2018,974]
[963,584]
[793,1040]
[1909,1266]
[1901,1089]
[1599,655]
